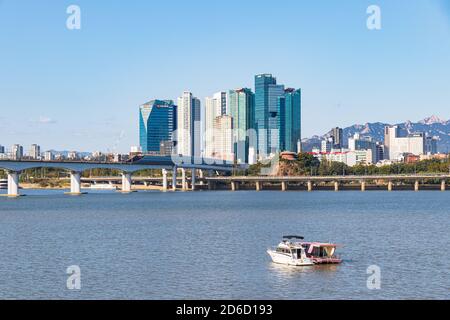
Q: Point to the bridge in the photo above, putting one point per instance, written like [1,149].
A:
[13,169]
[310,181]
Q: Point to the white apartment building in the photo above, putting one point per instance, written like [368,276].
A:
[16,152]
[215,106]
[189,125]
[349,157]
[223,147]
[396,146]
[35,152]
[48,156]
[72,155]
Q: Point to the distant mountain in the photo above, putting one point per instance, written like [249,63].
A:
[432,126]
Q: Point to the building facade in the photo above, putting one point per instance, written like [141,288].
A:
[16,152]
[35,152]
[431,146]
[242,110]
[224,147]
[189,135]
[157,123]
[396,144]
[338,138]
[290,120]
[267,114]
[215,106]
[358,143]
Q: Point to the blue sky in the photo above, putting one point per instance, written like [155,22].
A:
[81,89]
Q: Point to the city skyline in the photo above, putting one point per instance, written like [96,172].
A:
[68,89]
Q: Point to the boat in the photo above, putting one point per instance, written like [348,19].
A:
[3,184]
[290,253]
[322,253]
[294,251]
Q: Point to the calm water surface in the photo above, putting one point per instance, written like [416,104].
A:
[212,245]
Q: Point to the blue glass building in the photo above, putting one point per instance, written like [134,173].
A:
[157,122]
[267,113]
[242,109]
[290,120]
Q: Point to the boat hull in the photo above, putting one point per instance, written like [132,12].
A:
[327,260]
[288,260]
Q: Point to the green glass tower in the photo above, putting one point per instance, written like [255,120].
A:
[267,113]
[242,109]
[290,120]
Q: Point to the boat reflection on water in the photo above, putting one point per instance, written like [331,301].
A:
[289,271]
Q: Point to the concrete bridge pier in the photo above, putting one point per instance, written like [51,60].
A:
[174,178]
[258,185]
[126,182]
[310,186]
[443,186]
[164,182]
[390,186]
[416,185]
[75,183]
[183,180]
[201,175]
[363,186]
[336,186]
[194,179]
[284,186]
[234,186]
[13,184]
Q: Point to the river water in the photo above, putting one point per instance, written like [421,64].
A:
[212,245]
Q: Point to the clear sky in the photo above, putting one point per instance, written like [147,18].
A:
[80,89]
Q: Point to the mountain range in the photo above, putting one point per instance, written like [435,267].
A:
[432,126]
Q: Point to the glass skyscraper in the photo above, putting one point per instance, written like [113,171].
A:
[267,113]
[242,109]
[157,122]
[290,120]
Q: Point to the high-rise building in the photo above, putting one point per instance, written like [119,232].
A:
[215,106]
[242,110]
[326,145]
[379,152]
[357,143]
[396,144]
[17,152]
[338,138]
[431,145]
[267,113]
[2,149]
[157,122]
[35,152]
[49,156]
[188,125]
[290,120]
[223,147]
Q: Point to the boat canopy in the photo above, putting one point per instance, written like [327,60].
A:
[293,237]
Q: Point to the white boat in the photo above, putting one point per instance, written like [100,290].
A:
[290,253]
